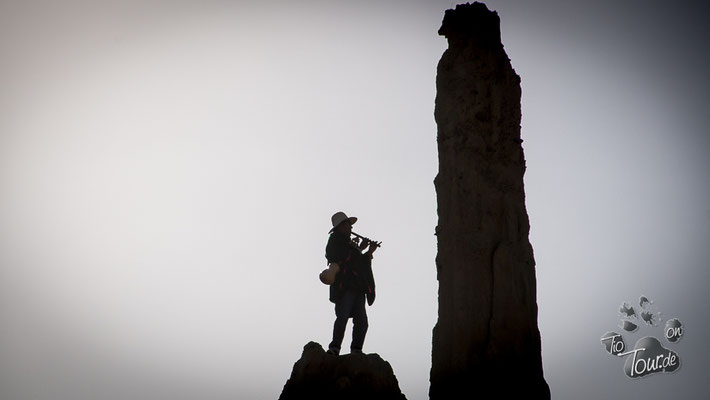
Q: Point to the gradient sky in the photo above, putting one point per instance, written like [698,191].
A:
[168,170]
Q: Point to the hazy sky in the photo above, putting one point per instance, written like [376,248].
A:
[168,170]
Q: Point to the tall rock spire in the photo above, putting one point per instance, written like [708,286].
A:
[486,341]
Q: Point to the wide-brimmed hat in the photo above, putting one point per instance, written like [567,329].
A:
[339,217]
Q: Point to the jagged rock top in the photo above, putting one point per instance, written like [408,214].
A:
[472,22]
[318,375]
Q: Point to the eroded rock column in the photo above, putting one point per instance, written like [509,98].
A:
[486,341]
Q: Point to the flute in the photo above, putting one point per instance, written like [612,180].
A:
[367,239]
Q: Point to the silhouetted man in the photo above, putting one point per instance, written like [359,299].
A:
[353,283]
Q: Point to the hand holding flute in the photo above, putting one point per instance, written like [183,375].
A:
[373,245]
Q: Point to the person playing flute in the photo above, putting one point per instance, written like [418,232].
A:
[354,282]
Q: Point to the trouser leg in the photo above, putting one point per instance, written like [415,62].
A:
[338,334]
[360,324]
[343,311]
